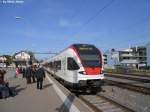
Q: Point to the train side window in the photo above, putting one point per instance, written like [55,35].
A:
[50,64]
[57,65]
[72,65]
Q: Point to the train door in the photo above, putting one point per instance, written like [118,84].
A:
[72,70]
[64,66]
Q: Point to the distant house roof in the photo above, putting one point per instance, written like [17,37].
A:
[128,50]
[22,55]
[21,52]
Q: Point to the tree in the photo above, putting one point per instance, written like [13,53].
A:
[9,59]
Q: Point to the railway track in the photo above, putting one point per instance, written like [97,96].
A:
[141,89]
[131,82]
[100,103]
[132,74]
[130,77]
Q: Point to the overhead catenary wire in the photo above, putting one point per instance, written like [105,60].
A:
[95,15]
[122,29]
[129,27]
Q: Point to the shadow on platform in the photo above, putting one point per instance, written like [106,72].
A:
[65,107]
[16,89]
[47,85]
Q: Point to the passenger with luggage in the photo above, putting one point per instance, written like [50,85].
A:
[5,90]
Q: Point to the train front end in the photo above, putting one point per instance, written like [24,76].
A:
[90,73]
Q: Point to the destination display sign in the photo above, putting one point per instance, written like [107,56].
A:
[85,48]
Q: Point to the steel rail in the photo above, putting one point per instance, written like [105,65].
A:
[132,87]
[103,104]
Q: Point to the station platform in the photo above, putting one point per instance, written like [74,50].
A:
[29,99]
[52,98]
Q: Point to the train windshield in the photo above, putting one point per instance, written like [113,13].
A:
[89,55]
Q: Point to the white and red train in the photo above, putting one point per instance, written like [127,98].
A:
[78,66]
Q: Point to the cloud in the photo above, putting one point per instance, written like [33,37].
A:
[66,23]
[33,45]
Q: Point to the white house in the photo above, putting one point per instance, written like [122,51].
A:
[22,58]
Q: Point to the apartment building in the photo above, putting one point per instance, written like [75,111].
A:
[140,54]
[135,57]
[148,54]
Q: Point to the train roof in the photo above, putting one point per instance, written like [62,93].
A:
[75,45]
[83,45]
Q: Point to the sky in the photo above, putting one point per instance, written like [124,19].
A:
[53,25]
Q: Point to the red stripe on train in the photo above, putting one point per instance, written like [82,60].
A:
[93,71]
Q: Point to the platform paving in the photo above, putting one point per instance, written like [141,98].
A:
[29,99]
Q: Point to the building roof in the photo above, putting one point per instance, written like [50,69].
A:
[21,52]
[128,50]
[129,62]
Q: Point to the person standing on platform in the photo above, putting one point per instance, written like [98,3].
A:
[2,75]
[17,72]
[33,73]
[40,75]
[23,72]
[5,90]
[28,74]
